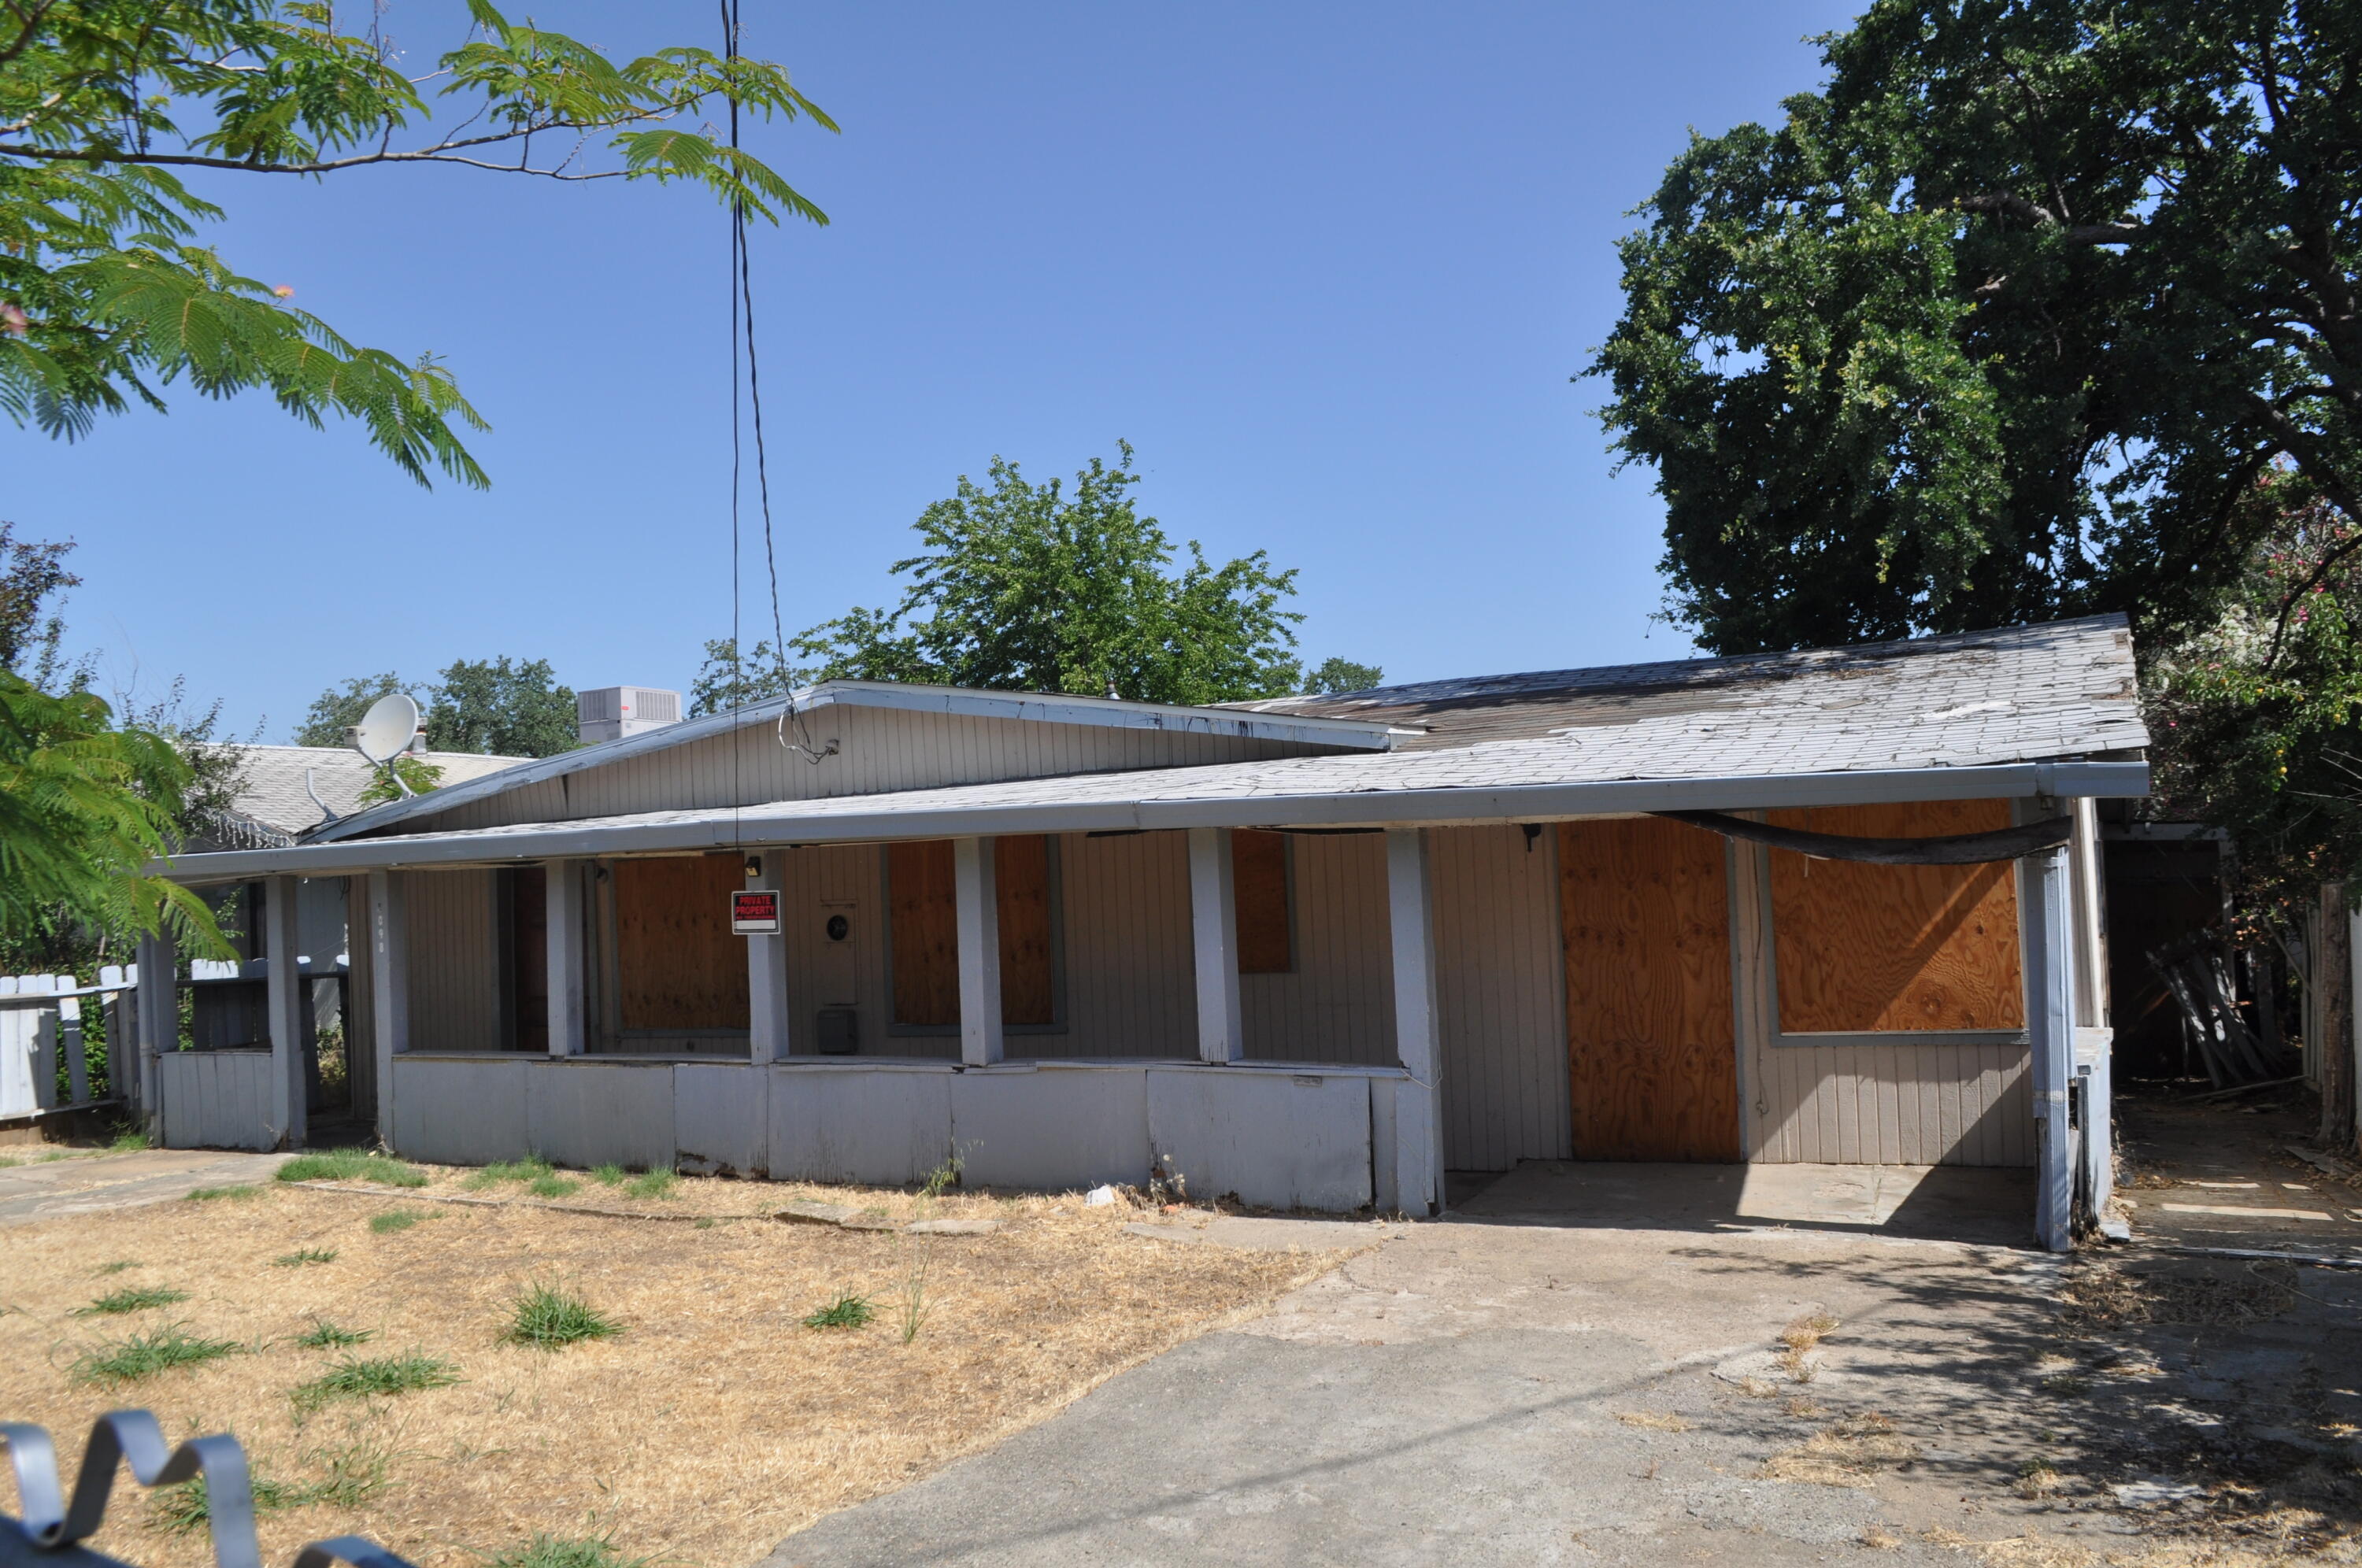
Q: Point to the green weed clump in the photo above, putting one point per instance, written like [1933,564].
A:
[379,1377]
[551,1185]
[324,1335]
[117,1267]
[127,1139]
[652,1184]
[117,1361]
[845,1312]
[131,1298]
[546,1551]
[234,1194]
[548,1318]
[394,1220]
[532,1168]
[609,1175]
[352,1164]
[354,1474]
[303,1255]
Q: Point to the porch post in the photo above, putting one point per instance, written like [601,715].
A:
[2046,902]
[389,949]
[284,1000]
[1419,1111]
[562,906]
[159,1010]
[976,896]
[768,1033]
[1214,924]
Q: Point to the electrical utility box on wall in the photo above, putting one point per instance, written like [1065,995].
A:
[613,713]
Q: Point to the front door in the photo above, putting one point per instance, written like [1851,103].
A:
[1644,909]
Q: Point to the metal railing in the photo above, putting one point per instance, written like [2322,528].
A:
[54,1526]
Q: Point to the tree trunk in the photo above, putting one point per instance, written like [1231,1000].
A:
[2333,972]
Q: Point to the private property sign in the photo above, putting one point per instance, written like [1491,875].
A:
[755,913]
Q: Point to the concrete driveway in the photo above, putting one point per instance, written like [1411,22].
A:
[1521,1382]
[51,1188]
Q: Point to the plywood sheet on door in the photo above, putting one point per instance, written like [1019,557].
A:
[680,967]
[925,934]
[1644,915]
[1895,947]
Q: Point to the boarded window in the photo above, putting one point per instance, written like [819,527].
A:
[680,965]
[924,931]
[1259,890]
[1895,947]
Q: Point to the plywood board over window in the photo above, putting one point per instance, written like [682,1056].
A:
[1259,891]
[924,935]
[1653,1062]
[1900,948]
[679,966]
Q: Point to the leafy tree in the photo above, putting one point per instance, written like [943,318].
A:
[419,774]
[725,681]
[2006,323]
[1027,588]
[501,708]
[339,708]
[1334,675]
[104,300]
[86,803]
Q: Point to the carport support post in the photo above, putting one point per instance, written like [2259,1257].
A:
[2046,895]
[1214,924]
[767,1032]
[562,906]
[975,896]
[1418,1112]
[389,951]
[284,998]
[158,1002]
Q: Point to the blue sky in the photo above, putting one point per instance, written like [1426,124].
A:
[1328,268]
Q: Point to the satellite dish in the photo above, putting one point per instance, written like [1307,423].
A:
[386,729]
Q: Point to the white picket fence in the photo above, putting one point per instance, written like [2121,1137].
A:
[40,1017]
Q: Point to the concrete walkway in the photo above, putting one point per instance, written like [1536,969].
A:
[1523,1382]
[88,1184]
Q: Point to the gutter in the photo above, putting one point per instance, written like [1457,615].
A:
[752,828]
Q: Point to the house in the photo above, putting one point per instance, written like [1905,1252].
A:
[1315,951]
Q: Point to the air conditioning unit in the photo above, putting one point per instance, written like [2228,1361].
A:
[613,711]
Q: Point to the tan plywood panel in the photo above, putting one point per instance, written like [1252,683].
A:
[925,932]
[679,966]
[1895,947]
[1021,875]
[1259,890]
[1644,915]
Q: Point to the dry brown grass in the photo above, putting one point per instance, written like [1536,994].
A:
[2101,1298]
[2051,1552]
[1655,1421]
[710,1428]
[1797,1341]
[1851,1453]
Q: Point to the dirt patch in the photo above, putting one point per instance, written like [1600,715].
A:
[711,1427]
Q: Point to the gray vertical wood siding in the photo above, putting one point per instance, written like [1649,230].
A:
[454,961]
[1502,996]
[1129,962]
[877,750]
[215,1099]
[1338,1005]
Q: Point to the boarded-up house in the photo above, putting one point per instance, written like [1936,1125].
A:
[1312,951]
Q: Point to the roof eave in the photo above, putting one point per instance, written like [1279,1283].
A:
[1467,805]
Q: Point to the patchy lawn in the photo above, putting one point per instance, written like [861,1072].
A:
[489,1371]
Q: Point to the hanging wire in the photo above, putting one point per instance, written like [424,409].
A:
[742,317]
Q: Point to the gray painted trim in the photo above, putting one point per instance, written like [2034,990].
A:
[1357,734]
[726,829]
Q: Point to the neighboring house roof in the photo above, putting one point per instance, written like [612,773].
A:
[274,798]
[2048,709]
